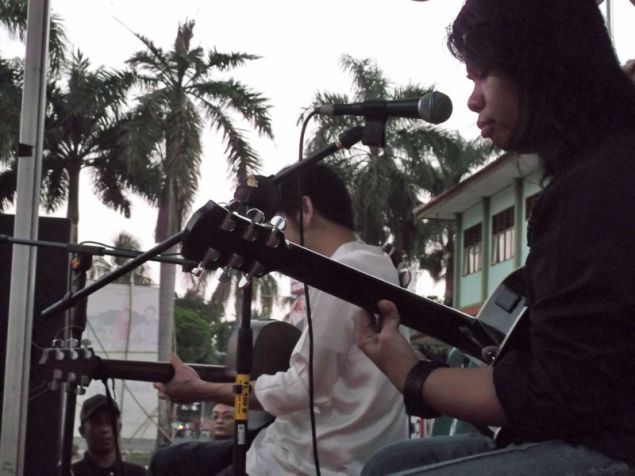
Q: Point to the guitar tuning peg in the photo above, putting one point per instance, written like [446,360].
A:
[57,376]
[229,223]
[278,223]
[58,343]
[81,388]
[233,205]
[73,343]
[255,270]
[234,262]
[276,236]
[255,217]
[211,255]
[86,343]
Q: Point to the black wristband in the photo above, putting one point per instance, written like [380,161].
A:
[412,396]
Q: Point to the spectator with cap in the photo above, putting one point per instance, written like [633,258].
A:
[100,424]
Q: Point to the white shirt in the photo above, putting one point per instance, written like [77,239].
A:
[357,409]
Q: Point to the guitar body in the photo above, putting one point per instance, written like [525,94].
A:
[505,318]
[273,342]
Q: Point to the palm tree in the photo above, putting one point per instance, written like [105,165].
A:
[180,94]
[10,94]
[387,183]
[122,242]
[264,292]
[84,130]
[13,16]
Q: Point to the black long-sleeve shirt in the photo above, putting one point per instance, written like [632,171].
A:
[89,467]
[575,380]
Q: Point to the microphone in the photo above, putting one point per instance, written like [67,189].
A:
[433,107]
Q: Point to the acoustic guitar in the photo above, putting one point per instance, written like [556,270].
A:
[219,238]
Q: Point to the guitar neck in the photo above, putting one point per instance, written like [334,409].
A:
[158,371]
[453,327]
[253,246]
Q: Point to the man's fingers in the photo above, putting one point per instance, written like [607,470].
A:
[174,359]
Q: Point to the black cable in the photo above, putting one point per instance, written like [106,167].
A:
[307,304]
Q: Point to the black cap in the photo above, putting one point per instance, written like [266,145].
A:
[94,403]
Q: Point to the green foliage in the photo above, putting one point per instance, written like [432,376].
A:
[201,334]
[193,337]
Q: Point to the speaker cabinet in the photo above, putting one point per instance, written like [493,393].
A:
[43,420]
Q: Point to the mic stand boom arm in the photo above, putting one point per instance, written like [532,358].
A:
[73,298]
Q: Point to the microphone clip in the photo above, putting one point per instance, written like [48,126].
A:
[374,134]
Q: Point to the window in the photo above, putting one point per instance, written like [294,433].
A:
[529,205]
[503,236]
[472,243]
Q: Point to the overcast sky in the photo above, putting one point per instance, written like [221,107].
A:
[300,43]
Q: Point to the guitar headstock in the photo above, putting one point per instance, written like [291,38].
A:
[218,237]
[70,362]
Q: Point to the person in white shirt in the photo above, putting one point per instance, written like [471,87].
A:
[357,409]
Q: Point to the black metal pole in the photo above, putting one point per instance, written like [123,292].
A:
[79,264]
[242,387]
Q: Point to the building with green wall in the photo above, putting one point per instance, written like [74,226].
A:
[490,211]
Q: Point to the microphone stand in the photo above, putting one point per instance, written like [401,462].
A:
[247,197]
[242,387]
[75,326]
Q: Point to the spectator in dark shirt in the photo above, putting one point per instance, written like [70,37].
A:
[98,420]
[546,80]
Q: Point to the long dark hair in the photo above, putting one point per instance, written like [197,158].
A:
[560,55]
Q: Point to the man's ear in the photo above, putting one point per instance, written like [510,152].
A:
[81,429]
[308,211]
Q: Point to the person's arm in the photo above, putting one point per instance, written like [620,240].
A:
[465,393]
[186,386]
[286,392]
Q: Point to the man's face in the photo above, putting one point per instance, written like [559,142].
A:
[97,430]
[292,229]
[222,422]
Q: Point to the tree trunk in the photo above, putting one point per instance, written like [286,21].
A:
[72,212]
[166,228]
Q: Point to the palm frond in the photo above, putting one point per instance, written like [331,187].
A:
[368,80]
[236,96]
[226,61]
